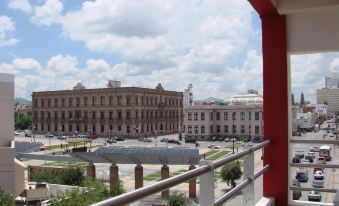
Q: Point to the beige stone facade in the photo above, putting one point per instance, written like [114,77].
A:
[123,111]
[206,121]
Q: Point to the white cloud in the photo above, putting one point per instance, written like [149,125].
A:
[62,65]
[20,5]
[7,27]
[26,64]
[48,13]
[334,66]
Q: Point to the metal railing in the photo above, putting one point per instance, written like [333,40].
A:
[170,182]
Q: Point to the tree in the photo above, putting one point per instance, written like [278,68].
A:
[23,122]
[45,175]
[176,199]
[72,175]
[231,172]
[6,198]
[93,191]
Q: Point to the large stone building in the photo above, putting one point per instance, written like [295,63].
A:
[242,116]
[125,111]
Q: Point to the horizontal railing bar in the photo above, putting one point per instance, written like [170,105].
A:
[308,203]
[317,141]
[313,189]
[241,186]
[315,165]
[154,188]
[170,182]
[225,160]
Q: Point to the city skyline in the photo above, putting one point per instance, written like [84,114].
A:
[220,54]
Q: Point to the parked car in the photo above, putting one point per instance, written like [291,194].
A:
[28,134]
[174,141]
[16,133]
[318,169]
[190,140]
[296,193]
[111,141]
[305,161]
[233,139]
[164,140]
[314,196]
[49,135]
[214,138]
[63,137]
[318,175]
[146,140]
[318,183]
[300,154]
[321,160]
[119,138]
[227,139]
[314,149]
[311,154]
[221,138]
[301,175]
[309,159]
[81,136]
[141,139]
[213,146]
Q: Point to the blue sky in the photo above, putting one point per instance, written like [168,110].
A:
[215,45]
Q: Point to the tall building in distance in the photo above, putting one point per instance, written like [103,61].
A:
[292,99]
[333,81]
[302,100]
[123,111]
[329,97]
[188,96]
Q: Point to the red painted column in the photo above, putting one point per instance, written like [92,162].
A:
[275,83]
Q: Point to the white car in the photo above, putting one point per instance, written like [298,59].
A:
[318,175]
[314,149]
[318,183]
[16,133]
[314,196]
[213,146]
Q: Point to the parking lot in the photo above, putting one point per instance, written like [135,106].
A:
[330,175]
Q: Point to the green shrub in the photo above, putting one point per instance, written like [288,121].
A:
[72,175]
[231,172]
[6,198]
[96,192]
[176,199]
[45,175]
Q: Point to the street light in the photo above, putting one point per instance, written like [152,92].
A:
[233,118]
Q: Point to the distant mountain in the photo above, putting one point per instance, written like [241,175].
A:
[19,100]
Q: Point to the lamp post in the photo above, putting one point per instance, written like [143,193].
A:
[233,117]
[33,128]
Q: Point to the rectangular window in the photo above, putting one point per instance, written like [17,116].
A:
[196,129]
[110,115]
[189,116]
[211,129]
[234,116]
[102,115]
[85,128]
[93,128]
[189,129]
[196,116]
[256,130]
[226,129]
[249,116]
[211,116]
[218,128]
[202,116]
[70,114]
[137,114]
[102,129]
[119,128]
[218,115]
[62,115]
[256,115]
[225,115]
[119,115]
[55,128]
[93,114]
[242,129]
[48,116]
[128,115]
[110,127]
[55,115]
[242,115]
[128,129]
[202,128]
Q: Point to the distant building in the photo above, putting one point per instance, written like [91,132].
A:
[333,81]
[302,100]
[123,111]
[206,121]
[305,121]
[251,98]
[79,86]
[22,109]
[188,96]
[329,97]
[321,109]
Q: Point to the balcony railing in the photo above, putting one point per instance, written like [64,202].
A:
[206,173]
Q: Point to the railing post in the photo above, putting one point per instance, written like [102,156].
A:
[206,196]
[164,175]
[139,176]
[248,191]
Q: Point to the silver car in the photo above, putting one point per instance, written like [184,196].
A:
[318,183]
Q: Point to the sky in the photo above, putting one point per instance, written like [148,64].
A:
[213,44]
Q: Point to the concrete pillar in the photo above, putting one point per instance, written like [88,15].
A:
[248,191]
[138,176]
[164,175]
[113,177]
[192,185]
[91,170]
[206,196]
